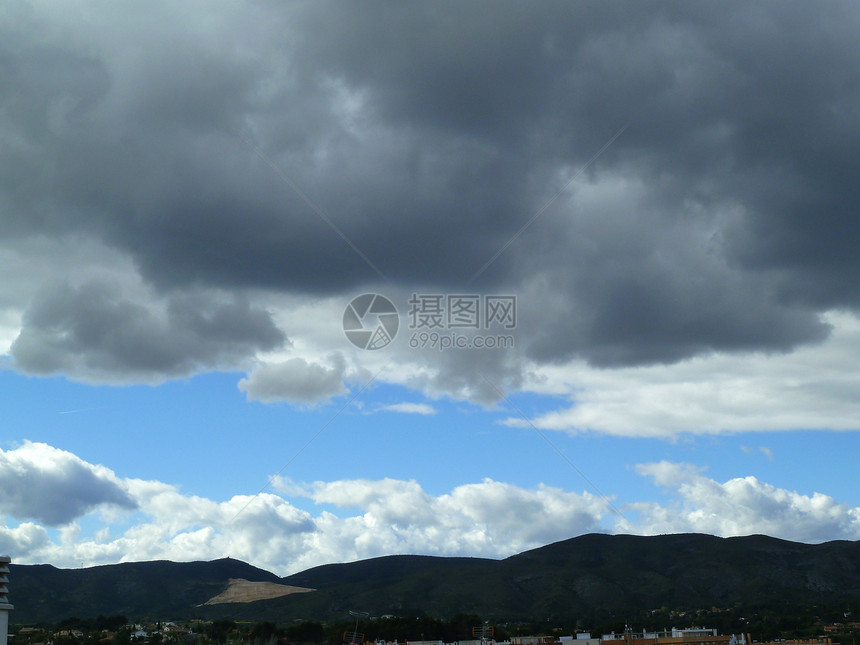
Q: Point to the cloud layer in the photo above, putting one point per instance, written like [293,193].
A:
[296,527]
[811,388]
[253,155]
[742,506]
[92,331]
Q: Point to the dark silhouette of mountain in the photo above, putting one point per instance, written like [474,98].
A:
[587,576]
[160,589]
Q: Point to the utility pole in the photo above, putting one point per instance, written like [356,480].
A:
[354,638]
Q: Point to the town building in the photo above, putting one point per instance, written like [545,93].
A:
[5,607]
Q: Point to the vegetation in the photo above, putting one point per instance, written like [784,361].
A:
[762,623]
[597,583]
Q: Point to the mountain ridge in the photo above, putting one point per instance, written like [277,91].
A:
[593,575]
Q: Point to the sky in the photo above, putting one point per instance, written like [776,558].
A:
[312,282]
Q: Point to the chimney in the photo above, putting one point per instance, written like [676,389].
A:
[4,599]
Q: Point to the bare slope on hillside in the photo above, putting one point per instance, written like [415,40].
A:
[241,590]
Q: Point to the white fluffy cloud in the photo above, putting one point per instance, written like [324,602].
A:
[740,506]
[488,518]
[40,482]
[155,520]
[379,517]
[25,538]
[814,387]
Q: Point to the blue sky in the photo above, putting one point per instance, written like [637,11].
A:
[201,433]
[196,207]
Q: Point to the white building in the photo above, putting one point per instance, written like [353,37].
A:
[5,607]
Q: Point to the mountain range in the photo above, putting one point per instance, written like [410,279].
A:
[592,575]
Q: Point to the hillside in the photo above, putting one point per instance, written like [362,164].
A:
[137,589]
[597,576]
[241,590]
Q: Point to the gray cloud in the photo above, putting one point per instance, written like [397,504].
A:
[40,482]
[722,219]
[94,332]
[296,381]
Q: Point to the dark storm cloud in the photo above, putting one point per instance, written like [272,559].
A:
[430,133]
[632,275]
[93,331]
